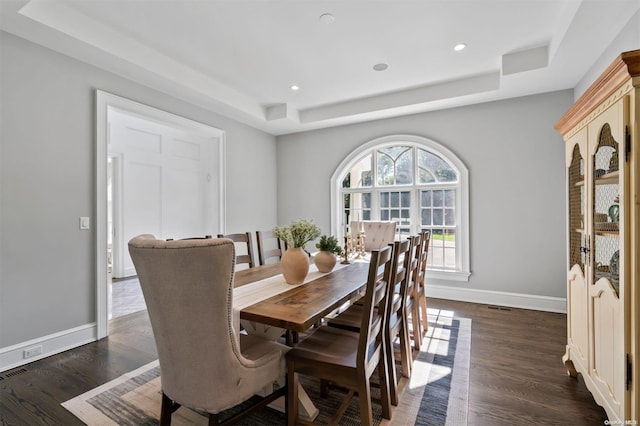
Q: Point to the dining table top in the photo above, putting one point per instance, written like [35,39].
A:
[304,305]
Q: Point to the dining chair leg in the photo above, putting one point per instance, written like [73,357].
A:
[423,308]
[166,410]
[406,358]
[364,398]
[292,395]
[417,326]
[391,372]
[383,378]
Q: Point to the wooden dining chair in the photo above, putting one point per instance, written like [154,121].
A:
[396,326]
[205,364]
[346,358]
[246,255]
[413,303]
[421,297]
[269,246]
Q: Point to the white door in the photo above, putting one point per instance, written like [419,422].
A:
[168,187]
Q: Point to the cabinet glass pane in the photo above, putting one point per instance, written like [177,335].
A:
[576,209]
[606,242]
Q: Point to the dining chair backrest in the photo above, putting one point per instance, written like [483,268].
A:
[188,290]
[376,293]
[245,256]
[412,304]
[377,233]
[395,312]
[269,247]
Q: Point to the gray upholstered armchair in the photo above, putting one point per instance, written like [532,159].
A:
[378,234]
[205,363]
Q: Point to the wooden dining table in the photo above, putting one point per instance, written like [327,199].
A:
[302,306]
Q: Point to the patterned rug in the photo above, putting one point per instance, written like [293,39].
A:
[436,394]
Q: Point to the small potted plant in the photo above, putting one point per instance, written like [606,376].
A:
[329,248]
[295,261]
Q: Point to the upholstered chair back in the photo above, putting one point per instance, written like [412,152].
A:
[188,289]
[378,234]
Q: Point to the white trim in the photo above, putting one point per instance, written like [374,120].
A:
[498,298]
[448,275]
[462,211]
[12,356]
[102,286]
[104,102]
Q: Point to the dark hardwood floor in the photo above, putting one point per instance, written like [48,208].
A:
[516,378]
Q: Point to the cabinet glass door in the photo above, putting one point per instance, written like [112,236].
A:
[577,235]
[606,209]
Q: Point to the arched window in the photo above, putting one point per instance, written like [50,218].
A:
[416,182]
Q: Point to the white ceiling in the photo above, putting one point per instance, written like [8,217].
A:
[240,57]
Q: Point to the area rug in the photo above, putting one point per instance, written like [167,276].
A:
[436,394]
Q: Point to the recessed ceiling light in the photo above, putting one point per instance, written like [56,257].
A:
[380,67]
[295,88]
[327,18]
[458,47]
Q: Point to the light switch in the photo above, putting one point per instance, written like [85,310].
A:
[84,223]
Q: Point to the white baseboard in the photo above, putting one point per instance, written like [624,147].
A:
[500,298]
[13,356]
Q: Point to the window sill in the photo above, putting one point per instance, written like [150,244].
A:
[441,274]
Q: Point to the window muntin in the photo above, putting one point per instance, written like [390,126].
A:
[419,184]
[395,165]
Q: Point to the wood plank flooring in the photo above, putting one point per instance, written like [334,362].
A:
[517,376]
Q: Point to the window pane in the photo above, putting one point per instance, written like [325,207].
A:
[426,217]
[449,217]
[425,198]
[438,198]
[346,199]
[438,217]
[395,165]
[450,248]
[366,200]
[385,170]
[395,199]
[384,215]
[384,199]
[450,198]
[439,169]
[360,174]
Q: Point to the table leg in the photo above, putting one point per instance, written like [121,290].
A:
[306,409]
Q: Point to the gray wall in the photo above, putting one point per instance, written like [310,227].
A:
[47,179]
[627,39]
[516,176]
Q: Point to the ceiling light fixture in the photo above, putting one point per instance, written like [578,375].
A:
[327,18]
[380,67]
[295,87]
[458,47]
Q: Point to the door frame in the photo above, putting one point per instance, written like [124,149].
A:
[104,103]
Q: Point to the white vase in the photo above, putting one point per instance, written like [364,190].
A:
[325,261]
[294,265]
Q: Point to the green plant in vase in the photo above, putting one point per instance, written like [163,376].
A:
[329,248]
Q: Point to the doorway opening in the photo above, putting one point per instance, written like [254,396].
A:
[157,173]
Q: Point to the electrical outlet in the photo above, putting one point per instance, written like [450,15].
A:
[31,352]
